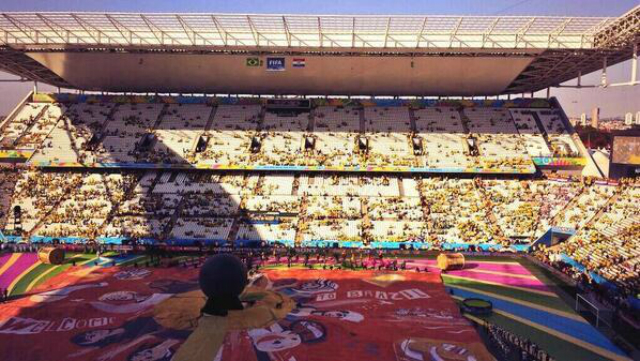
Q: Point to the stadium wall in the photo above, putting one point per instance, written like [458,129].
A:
[322,74]
[160,99]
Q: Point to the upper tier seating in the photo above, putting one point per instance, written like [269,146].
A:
[336,129]
[530,133]
[68,141]
[25,118]
[178,132]
[129,124]
[456,139]
[283,139]
[230,135]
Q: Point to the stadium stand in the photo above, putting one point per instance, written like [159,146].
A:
[184,205]
[306,207]
[471,138]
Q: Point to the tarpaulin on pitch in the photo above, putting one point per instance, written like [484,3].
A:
[148,314]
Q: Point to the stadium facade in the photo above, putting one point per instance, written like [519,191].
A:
[305,55]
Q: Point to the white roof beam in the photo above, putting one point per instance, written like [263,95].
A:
[86,27]
[153,29]
[254,32]
[195,33]
[320,35]
[286,31]
[52,26]
[25,29]
[386,32]
[419,38]
[454,34]
[223,33]
[486,36]
[128,36]
[522,32]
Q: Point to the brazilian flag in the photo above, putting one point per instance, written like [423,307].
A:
[253,62]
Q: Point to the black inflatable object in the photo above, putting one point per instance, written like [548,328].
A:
[222,279]
[477,306]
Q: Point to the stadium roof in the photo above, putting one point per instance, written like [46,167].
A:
[557,48]
[326,31]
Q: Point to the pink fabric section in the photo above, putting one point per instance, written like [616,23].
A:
[4,259]
[25,261]
[505,280]
[506,268]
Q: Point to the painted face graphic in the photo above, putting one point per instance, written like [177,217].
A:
[430,350]
[174,286]
[342,315]
[152,354]
[317,286]
[62,293]
[137,274]
[308,330]
[123,296]
[451,352]
[336,314]
[160,352]
[277,341]
[95,336]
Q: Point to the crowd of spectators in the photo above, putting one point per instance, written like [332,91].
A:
[299,208]
[294,208]
[609,241]
[251,135]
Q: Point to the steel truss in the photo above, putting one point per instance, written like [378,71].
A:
[19,64]
[221,30]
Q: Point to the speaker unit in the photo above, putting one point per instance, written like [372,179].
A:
[203,140]
[256,144]
[363,144]
[417,145]
[309,143]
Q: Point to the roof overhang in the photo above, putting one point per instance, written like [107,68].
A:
[556,48]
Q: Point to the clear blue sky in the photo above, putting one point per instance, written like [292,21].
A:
[612,101]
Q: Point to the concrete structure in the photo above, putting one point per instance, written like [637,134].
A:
[311,54]
[628,118]
[595,117]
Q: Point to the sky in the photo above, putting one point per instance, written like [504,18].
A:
[612,101]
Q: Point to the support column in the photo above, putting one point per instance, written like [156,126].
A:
[634,64]
[579,79]
[603,79]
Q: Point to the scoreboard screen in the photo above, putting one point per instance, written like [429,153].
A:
[626,150]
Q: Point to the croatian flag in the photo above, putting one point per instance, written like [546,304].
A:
[297,62]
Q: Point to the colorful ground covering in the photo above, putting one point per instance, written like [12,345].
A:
[21,272]
[530,308]
[96,312]
[524,302]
